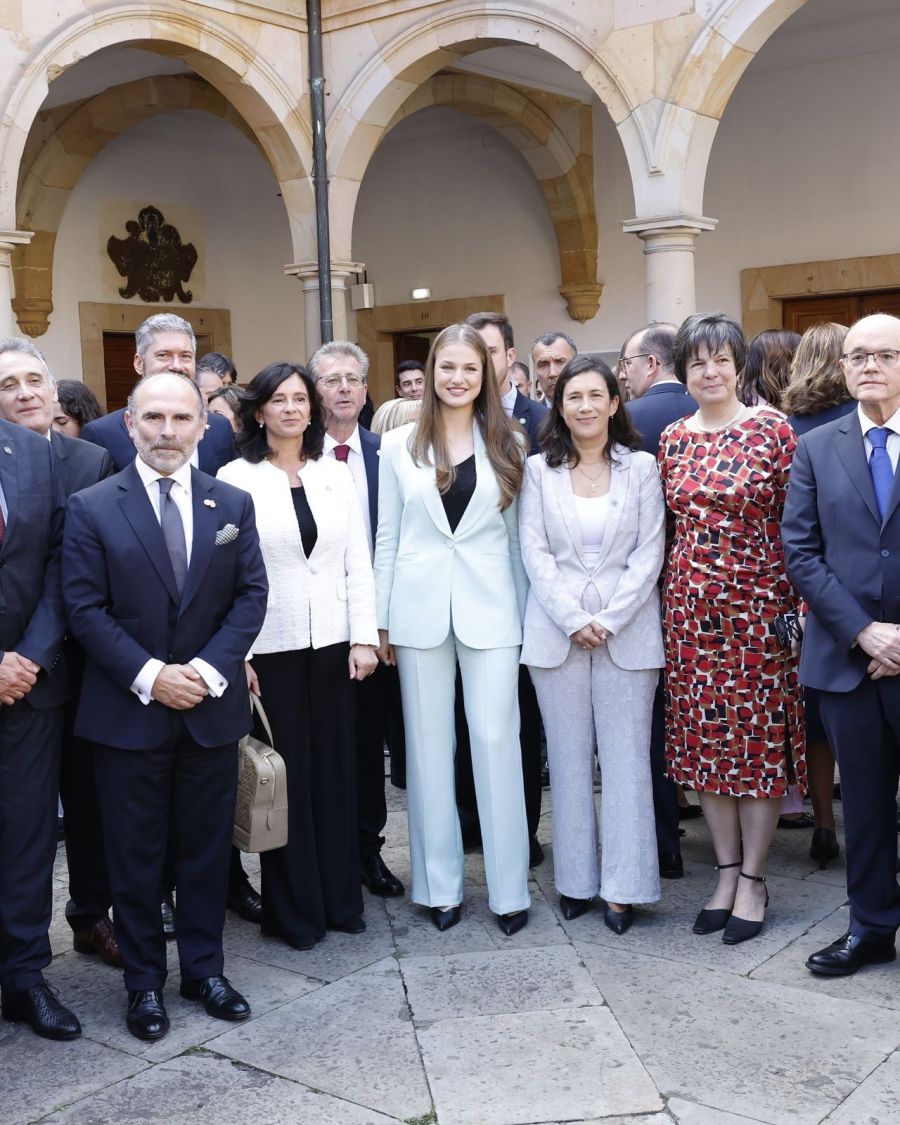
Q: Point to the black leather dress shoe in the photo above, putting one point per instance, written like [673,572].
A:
[377,876]
[848,954]
[535,852]
[572,908]
[671,865]
[244,900]
[218,996]
[355,925]
[167,909]
[618,920]
[146,1018]
[442,918]
[39,1007]
[511,923]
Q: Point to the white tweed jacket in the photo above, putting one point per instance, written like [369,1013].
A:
[329,597]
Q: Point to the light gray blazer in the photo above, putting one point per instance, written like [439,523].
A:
[427,576]
[625,576]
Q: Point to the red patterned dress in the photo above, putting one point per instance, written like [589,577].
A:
[734,717]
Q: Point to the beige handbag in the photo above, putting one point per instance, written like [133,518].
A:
[261,809]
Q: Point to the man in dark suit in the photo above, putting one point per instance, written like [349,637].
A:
[32,695]
[841,533]
[496,331]
[340,370]
[658,399]
[29,400]
[164,342]
[165,589]
[550,353]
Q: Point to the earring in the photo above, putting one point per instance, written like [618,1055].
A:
[262,425]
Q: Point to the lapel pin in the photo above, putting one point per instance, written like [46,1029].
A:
[6,449]
[210,503]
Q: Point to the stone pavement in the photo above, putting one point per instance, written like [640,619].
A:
[565,1022]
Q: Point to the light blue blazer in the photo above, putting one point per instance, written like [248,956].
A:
[429,578]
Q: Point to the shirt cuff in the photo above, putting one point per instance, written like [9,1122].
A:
[145,679]
[214,680]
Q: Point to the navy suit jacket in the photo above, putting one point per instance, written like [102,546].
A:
[371,443]
[840,556]
[529,414]
[79,464]
[32,621]
[215,450]
[663,404]
[123,607]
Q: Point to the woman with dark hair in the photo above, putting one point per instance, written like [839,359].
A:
[78,405]
[734,715]
[768,367]
[227,402]
[450,587]
[319,634]
[592,527]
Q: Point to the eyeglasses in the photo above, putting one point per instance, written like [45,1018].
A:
[626,360]
[332,382]
[884,359]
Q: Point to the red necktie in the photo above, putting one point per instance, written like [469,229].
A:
[341,452]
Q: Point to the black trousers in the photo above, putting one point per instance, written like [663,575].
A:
[89,894]
[186,791]
[530,742]
[665,791]
[313,881]
[863,728]
[29,784]
[372,701]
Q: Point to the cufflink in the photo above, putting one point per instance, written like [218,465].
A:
[226,534]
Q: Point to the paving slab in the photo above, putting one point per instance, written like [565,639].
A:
[353,1039]
[533,1067]
[38,1076]
[206,1089]
[876,1101]
[762,1050]
[692,1113]
[878,985]
[504,980]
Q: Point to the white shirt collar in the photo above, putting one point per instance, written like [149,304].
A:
[353,441]
[866,423]
[509,399]
[148,475]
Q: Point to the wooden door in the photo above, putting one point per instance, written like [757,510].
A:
[798,313]
[118,365]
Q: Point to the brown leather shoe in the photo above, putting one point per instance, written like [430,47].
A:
[100,939]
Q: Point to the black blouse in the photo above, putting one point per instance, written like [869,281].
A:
[457,498]
[306,521]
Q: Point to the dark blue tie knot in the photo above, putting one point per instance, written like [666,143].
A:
[878,436]
[165,484]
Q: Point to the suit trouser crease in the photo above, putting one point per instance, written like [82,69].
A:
[28,808]
[588,695]
[313,881]
[863,727]
[189,791]
[490,678]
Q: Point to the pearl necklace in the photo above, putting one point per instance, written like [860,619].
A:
[722,425]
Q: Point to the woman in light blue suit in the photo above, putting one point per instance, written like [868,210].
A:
[450,586]
[592,524]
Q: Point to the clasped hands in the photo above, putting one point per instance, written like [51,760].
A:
[18,676]
[881,641]
[179,686]
[589,636]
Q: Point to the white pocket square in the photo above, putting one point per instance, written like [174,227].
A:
[226,534]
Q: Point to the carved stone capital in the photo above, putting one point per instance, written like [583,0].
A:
[582,300]
[33,314]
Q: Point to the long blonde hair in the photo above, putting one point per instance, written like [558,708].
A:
[817,379]
[503,441]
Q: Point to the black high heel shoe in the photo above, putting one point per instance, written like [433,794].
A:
[824,847]
[618,920]
[442,918]
[572,908]
[511,923]
[711,921]
[742,929]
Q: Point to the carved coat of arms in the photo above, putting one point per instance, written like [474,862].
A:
[153,258]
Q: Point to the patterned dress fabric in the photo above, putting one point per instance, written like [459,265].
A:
[734,716]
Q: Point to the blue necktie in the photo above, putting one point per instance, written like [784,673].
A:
[173,530]
[880,467]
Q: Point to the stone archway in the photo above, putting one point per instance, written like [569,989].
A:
[61,144]
[554,135]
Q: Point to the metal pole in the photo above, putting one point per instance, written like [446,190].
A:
[320,166]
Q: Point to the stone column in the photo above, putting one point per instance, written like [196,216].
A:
[669,253]
[308,275]
[9,240]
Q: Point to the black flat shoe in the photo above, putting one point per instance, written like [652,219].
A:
[39,1007]
[796,820]
[146,1018]
[377,876]
[511,923]
[742,929]
[824,847]
[618,920]
[244,901]
[849,954]
[355,925]
[443,918]
[220,998]
[572,908]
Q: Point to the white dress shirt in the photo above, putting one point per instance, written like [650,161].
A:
[357,467]
[181,496]
[893,441]
[508,401]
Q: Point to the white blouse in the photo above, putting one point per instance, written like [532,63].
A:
[593,516]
